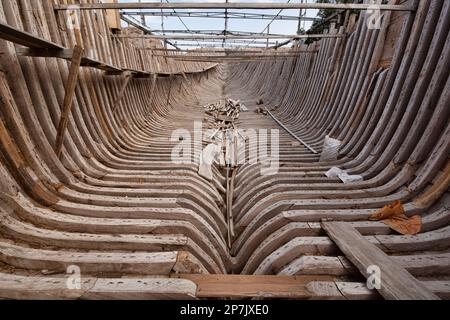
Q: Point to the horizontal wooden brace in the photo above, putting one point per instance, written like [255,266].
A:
[219,286]
[67,55]
[24,38]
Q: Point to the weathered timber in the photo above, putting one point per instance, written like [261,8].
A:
[396,283]
[68,99]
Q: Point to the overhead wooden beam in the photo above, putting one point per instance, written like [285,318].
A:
[396,282]
[234,5]
[221,37]
[68,99]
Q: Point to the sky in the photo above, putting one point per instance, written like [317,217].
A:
[277,27]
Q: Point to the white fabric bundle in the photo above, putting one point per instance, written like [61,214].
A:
[343,175]
[330,150]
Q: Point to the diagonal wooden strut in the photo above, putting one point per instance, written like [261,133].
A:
[68,99]
[128,77]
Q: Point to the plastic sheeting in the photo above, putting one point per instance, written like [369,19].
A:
[336,172]
[330,150]
[209,154]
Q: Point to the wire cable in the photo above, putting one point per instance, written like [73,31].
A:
[270,23]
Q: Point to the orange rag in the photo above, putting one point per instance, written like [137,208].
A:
[394,216]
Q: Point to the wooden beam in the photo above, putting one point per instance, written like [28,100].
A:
[128,77]
[68,99]
[396,282]
[252,286]
[24,38]
[234,5]
[231,37]
[67,54]
[54,287]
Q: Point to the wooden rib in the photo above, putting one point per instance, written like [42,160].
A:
[383,93]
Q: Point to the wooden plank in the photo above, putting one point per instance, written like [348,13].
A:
[68,99]
[235,5]
[21,37]
[248,286]
[67,54]
[396,282]
[144,288]
[45,53]
[112,17]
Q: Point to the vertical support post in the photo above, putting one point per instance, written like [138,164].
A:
[68,99]
[226,26]
[300,16]
[162,26]
[76,24]
[143,17]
